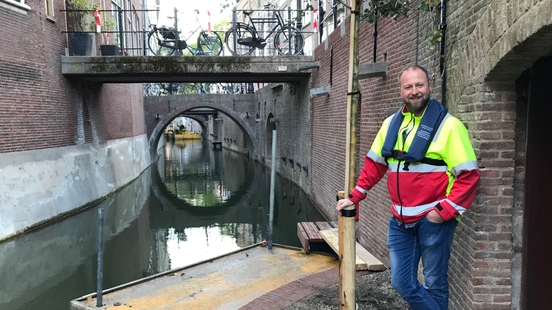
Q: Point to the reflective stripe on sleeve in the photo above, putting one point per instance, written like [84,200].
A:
[458,208]
[376,158]
[436,136]
[360,189]
[470,165]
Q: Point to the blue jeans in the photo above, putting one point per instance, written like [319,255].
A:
[432,243]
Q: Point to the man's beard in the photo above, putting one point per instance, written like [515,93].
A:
[416,108]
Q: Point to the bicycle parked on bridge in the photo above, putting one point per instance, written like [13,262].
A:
[164,41]
[167,89]
[243,38]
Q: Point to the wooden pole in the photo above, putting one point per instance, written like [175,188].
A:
[346,222]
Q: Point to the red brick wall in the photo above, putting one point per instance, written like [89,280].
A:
[122,110]
[378,96]
[39,108]
[35,110]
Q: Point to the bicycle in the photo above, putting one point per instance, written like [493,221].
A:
[164,41]
[243,38]
[166,89]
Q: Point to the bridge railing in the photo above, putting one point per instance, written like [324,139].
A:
[123,28]
[264,22]
[128,29]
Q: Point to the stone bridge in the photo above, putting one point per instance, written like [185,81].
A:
[209,69]
[162,110]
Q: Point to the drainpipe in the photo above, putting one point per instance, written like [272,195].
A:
[375,38]
[442,70]
[334,12]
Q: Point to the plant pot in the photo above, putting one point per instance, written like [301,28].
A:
[81,43]
[110,50]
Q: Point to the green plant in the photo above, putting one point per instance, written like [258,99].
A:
[376,9]
[435,36]
[108,26]
[108,23]
[81,12]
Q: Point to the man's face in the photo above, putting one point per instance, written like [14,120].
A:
[414,89]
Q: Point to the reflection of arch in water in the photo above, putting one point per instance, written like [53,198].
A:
[240,198]
[158,130]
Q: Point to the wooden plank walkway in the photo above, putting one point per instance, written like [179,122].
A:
[323,235]
[308,235]
[364,259]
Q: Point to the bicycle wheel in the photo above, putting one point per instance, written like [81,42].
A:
[158,46]
[209,44]
[289,41]
[243,31]
[152,89]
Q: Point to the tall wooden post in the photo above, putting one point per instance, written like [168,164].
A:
[346,222]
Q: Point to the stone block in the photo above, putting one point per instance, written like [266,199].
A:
[378,69]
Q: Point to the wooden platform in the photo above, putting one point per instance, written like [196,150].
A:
[309,236]
[314,235]
[364,259]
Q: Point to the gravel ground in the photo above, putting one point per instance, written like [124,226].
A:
[373,292]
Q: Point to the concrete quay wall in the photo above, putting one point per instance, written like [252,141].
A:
[39,186]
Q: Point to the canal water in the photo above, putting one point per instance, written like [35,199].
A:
[193,204]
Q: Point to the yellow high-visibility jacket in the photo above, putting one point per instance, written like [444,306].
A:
[449,189]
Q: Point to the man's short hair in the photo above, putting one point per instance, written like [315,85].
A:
[414,67]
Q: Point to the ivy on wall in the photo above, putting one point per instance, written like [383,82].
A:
[377,9]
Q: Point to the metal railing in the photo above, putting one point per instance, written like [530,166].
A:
[134,41]
[267,18]
[128,40]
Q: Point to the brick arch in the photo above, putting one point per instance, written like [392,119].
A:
[507,39]
[158,130]
[500,52]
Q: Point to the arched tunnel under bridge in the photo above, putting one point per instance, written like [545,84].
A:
[161,111]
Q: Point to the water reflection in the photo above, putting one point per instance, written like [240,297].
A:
[193,204]
[200,176]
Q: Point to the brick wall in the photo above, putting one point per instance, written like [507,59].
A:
[489,45]
[288,103]
[39,108]
[122,109]
[35,109]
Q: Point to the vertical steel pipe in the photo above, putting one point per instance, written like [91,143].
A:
[121,28]
[99,271]
[272,182]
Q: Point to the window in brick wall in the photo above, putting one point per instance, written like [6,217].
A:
[16,5]
[49,8]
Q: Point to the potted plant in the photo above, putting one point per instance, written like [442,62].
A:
[108,47]
[80,25]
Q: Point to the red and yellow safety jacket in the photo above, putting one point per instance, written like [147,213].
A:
[449,189]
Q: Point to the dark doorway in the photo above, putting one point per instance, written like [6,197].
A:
[537,248]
